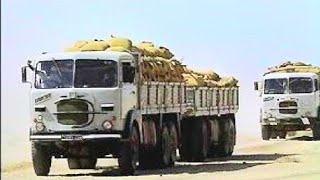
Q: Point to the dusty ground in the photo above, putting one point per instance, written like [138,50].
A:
[295,158]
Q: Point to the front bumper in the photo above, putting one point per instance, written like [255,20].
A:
[73,137]
[288,121]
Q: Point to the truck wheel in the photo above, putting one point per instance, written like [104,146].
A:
[282,134]
[173,143]
[74,163]
[265,132]
[316,130]
[200,140]
[223,148]
[129,154]
[232,137]
[41,159]
[88,163]
[165,149]
[147,159]
[186,134]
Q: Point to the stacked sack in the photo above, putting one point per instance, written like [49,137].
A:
[289,66]
[158,63]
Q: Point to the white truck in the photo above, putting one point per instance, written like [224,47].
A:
[290,102]
[88,105]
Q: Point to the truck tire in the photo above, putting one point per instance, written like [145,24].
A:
[147,159]
[223,147]
[82,163]
[316,130]
[129,153]
[232,137]
[200,142]
[186,134]
[88,163]
[74,163]
[173,143]
[214,132]
[282,134]
[265,132]
[41,159]
[165,149]
[227,138]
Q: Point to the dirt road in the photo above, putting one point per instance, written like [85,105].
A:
[294,158]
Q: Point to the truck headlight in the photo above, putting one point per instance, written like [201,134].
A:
[40,126]
[107,125]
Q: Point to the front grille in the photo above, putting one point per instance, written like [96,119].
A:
[288,111]
[288,104]
[288,107]
[72,112]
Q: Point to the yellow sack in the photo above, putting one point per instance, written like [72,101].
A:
[212,83]
[72,49]
[121,42]
[95,46]
[80,44]
[118,49]
[228,82]
[165,52]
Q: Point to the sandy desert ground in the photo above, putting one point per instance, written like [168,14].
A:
[296,157]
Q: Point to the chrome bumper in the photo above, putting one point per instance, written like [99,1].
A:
[73,137]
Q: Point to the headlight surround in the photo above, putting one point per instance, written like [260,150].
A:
[40,126]
[107,125]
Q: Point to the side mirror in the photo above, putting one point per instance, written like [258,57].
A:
[256,86]
[24,74]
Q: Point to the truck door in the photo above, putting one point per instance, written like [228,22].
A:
[128,87]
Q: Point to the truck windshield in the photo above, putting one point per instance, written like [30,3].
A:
[54,74]
[300,85]
[275,86]
[95,73]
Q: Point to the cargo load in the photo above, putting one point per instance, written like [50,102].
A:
[158,63]
[289,66]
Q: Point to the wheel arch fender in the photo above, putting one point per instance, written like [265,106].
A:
[133,117]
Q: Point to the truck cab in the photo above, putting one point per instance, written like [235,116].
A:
[79,99]
[290,102]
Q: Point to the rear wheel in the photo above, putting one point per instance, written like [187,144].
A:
[129,154]
[223,149]
[232,137]
[265,132]
[185,150]
[165,153]
[316,130]
[88,163]
[173,143]
[200,140]
[41,159]
[74,163]
[282,134]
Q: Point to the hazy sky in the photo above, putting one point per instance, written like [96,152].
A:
[239,38]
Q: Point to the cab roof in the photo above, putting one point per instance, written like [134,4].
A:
[288,75]
[98,55]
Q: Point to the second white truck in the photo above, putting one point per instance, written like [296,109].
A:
[290,100]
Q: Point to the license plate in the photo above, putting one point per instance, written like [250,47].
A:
[273,123]
[72,137]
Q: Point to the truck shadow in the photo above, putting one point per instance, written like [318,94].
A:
[301,138]
[233,163]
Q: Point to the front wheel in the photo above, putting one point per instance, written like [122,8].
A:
[129,154]
[282,134]
[265,132]
[316,130]
[41,159]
